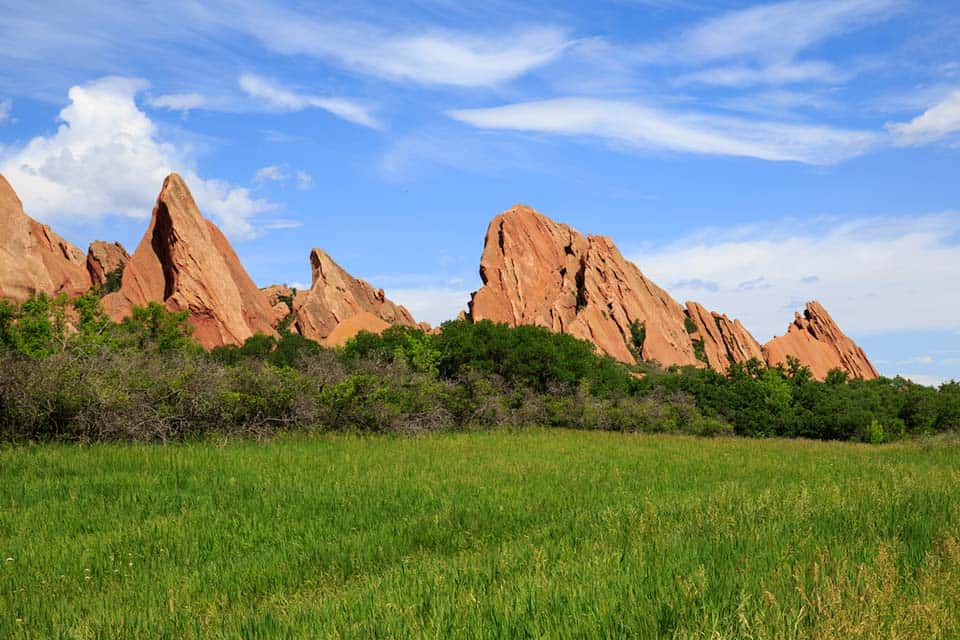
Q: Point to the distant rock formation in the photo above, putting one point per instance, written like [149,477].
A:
[34,259]
[103,259]
[817,342]
[336,296]
[280,299]
[537,271]
[186,262]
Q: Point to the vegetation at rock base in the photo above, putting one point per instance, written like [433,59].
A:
[71,374]
[537,533]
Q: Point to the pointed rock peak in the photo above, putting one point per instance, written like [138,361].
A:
[336,296]
[817,342]
[538,271]
[187,263]
[34,259]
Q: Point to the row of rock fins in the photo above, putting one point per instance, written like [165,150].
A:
[534,271]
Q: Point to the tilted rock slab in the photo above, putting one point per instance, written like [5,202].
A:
[336,296]
[816,340]
[185,262]
[104,258]
[537,271]
[34,259]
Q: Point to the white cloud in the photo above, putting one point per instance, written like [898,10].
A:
[934,124]
[925,379]
[874,275]
[431,304]
[280,98]
[780,31]
[108,158]
[178,101]
[5,107]
[304,180]
[427,57]
[271,173]
[646,127]
[774,74]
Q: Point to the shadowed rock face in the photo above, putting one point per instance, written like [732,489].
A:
[537,271]
[34,259]
[816,340]
[336,296]
[185,262]
[104,258]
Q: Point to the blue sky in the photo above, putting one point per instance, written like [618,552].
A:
[750,156]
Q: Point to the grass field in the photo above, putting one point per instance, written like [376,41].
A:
[503,534]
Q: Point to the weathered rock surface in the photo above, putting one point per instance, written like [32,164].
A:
[725,341]
[816,340]
[185,262]
[336,296]
[363,321]
[104,258]
[34,259]
[537,271]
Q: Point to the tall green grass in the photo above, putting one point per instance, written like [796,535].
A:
[495,535]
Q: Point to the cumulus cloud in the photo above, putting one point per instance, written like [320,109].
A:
[108,158]
[874,275]
[280,98]
[936,123]
[647,127]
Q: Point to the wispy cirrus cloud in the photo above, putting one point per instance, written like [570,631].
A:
[761,45]
[5,107]
[427,56]
[276,96]
[936,123]
[645,127]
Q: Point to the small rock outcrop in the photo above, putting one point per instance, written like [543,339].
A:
[537,271]
[336,296]
[34,259]
[724,341]
[363,321]
[817,342]
[104,259]
[186,262]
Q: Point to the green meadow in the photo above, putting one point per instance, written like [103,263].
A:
[502,534]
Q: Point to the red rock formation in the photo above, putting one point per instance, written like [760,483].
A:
[104,258]
[33,258]
[185,262]
[335,296]
[816,340]
[725,341]
[363,321]
[537,271]
[278,297]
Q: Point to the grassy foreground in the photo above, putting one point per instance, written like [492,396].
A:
[503,534]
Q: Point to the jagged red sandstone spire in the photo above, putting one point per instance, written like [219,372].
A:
[186,262]
[34,259]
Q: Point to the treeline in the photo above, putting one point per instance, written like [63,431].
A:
[71,374]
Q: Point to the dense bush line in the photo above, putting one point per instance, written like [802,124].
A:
[71,374]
